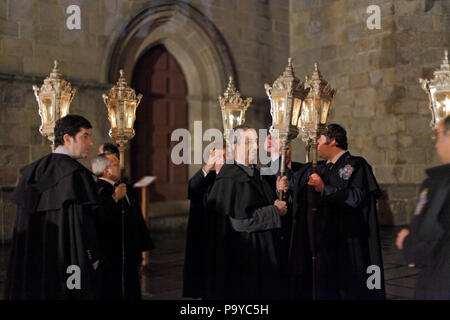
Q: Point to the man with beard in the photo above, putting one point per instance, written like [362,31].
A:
[244,262]
[426,243]
[199,224]
[346,232]
[55,251]
[115,196]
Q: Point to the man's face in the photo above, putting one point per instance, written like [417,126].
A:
[325,149]
[79,146]
[248,146]
[113,171]
[443,144]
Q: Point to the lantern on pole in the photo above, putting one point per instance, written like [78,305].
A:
[54,99]
[438,91]
[233,111]
[286,97]
[315,111]
[122,102]
[312,124]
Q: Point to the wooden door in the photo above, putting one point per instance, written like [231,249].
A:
[163,109]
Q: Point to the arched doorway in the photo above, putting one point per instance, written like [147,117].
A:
[163,109]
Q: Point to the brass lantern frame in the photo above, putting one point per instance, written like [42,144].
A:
[233,107]
[315,111]
[438,91]
[54,98]
[122,103]
[286,97]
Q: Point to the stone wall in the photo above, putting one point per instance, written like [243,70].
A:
[33,33]
[379,99]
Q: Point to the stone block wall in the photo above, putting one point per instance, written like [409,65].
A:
[33,33]
[379,99]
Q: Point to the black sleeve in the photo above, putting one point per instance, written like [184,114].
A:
[353,195]
[264,218]
[199,184]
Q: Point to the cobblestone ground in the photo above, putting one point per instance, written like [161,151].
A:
[163,278]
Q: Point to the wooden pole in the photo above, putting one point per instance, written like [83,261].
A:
[315,208]
[122,169]
[283,165]
[144,213]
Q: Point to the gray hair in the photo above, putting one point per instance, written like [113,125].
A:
[99,163]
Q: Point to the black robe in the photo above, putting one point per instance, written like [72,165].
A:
[137,240]
[428,244]
[346,232]
[55,228]
[197,232]
[287,219]
[243,238]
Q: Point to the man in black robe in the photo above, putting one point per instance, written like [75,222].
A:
[346,233]
[426,243]
[272,146]
[55,252]
[198,221]
[243,243]
[113,197]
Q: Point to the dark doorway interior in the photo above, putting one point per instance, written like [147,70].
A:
[163,109]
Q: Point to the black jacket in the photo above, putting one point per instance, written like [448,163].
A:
[346,230]
[197,231]
[428,244]
[243,240]
[55,228]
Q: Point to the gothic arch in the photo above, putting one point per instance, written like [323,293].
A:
[192,39]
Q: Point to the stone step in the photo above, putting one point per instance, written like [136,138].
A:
[168,216]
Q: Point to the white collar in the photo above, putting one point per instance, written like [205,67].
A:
[107,180]
[62,150]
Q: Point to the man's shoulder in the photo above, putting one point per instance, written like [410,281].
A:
[233,172]
[355,161]
[102,184]
[295,166]
[52,168]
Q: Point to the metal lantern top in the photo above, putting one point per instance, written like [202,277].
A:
[438,90]
[316,106]
[233,107]
[54,99]
[286,97]
[122,102]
